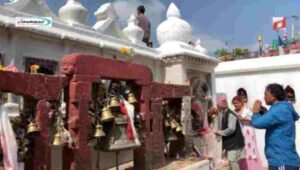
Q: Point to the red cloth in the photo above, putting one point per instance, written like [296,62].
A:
[129,128]
[203,131]
[196,107]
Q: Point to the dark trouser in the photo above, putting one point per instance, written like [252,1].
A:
[284,167]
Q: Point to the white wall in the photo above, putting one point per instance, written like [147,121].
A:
[254,75]
[15,45]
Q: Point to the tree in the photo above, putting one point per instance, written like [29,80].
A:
[240,52]
[221,52]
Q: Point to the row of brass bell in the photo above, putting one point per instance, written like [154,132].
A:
[98,134]
[114,103]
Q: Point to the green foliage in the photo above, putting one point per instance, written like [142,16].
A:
[240,52]
[221,52]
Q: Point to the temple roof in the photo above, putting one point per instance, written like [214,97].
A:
[174,34]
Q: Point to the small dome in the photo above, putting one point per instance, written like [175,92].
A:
[73,12]
[199,47]
[174,28]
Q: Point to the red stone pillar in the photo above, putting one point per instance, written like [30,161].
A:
[158,157]
[42,150]
[142,158]
[80,156]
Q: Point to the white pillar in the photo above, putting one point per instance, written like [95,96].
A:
[175,74]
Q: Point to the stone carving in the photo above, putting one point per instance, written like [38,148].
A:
[186,121]
[186,115]
[174,28]
[107,21]
[33,7]
[132,31]
[201,101]
[73,13]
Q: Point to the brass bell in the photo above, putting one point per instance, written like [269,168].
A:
[32,128]
[178,128]
[173,124]
[167,124]
[131,98]
[106,115]
[99,131]
[57,139]
[114,102]
[116,136]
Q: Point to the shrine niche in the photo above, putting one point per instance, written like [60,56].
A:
[170,124]
[201,103]
[30,149]
[48,67]
[107,89]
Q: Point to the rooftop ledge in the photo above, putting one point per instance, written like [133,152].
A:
[84,34]
[290,61]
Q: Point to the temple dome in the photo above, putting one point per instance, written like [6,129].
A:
[174,28]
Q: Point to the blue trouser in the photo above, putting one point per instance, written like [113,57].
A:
[284,167]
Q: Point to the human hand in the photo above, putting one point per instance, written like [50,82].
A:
[217,133]
[256,106]
[213,112]
[239,116]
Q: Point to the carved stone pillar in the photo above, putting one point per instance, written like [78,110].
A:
[80,156]
[142,155]
[158,157]
[186,121]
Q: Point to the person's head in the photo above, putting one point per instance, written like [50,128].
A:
[238,103]
[274,93]
[290,94]
[140,10]
[243,94]
[222,103]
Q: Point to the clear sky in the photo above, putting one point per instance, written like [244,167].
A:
[237,22]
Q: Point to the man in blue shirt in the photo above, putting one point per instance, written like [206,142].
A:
[279,123]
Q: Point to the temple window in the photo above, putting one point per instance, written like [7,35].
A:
[49,67]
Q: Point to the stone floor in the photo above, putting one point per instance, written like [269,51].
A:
[172,164]
[188,164]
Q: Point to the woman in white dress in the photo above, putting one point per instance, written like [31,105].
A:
[252,160]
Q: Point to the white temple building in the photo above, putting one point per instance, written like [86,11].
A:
[174,61]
